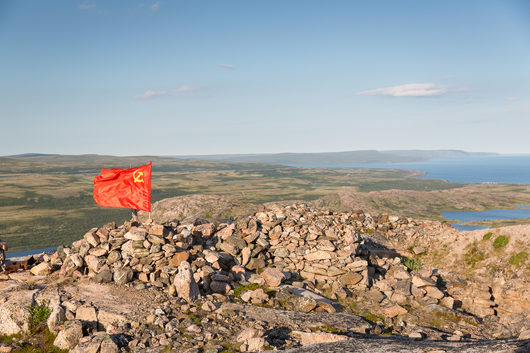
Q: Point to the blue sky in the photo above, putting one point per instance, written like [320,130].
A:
[206,77]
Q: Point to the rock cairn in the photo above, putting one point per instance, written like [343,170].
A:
[326,252]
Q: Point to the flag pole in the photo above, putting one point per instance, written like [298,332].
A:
[150,163]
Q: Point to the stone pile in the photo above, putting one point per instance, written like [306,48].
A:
[329,253]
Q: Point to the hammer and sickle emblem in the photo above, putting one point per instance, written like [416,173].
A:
[138,176]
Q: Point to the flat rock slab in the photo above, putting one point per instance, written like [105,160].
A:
[306,293]
[392,345]
[114,304]
[297,320]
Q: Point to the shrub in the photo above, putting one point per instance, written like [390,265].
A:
[519,258]
[500,242]
[410,264]
[38,314]
[487,236]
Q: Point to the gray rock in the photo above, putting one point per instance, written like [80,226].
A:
[69,337]
[185,284]
[14,313]
[104,276]
[123,275]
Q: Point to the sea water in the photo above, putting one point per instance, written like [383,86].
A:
[505,169]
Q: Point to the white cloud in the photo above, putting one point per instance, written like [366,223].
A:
[149,94]
[227,66]
[155,6]
[182,89]
[86,6]
[409,90]
[512,99]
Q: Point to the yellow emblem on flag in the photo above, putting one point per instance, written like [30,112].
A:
[138,176]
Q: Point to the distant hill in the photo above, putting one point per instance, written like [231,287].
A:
[330,158]
[92,163]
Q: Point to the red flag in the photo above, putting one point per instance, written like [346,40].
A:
[127,188]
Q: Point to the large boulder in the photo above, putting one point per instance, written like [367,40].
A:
[69,337]
[185,284]
[14,312]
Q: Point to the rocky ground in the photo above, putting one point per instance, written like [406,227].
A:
[289,277]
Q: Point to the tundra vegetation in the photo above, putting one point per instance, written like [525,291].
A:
[47,200]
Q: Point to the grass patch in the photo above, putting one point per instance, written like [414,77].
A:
[440,318]
[487,236]
[39,341]
[500,242]
[245,288]
[369,316]
[518,258]
[473,256]
[9,339]
[326,328]
[411,264]
[231,347]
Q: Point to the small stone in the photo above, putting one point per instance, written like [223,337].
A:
[256,296]
[194,329]
[448,302]
[417,335]
[318,255]
[219,287]
[177,259]
[434,292]
[155,239]
[98,252]
[156,229]
[41,269]
[87,314]
[247,334]
[123,276]
[104,276]
[92,238]
[304,304]
[420,281]
[108,345]
[418,250]
[245,254]
[255,264]
[208,306]
[272,276]
[308,338]
[255,344]
[204,230]
[113,257]
[135,235]
[393,311]
[350,278]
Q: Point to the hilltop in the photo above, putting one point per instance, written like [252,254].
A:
[338,158]
[285,276]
